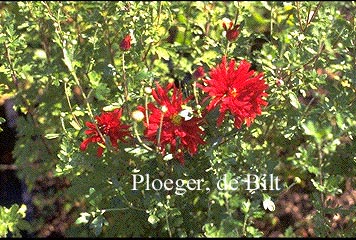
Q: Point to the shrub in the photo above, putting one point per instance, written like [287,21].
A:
[283,114]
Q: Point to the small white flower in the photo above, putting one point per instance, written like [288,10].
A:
[269,204]
[187,114]
[164,109]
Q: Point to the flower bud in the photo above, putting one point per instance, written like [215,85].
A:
[137,115]
[125,44]
[199,72]
[232,31]
[148,90]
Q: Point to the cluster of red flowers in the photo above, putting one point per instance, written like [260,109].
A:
[171,124]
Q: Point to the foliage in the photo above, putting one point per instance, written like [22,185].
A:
[12,220]
[62,63]
[2,120]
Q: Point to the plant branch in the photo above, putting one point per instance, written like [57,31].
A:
[23,100]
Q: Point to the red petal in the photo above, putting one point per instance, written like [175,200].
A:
[84,144]
[100,151]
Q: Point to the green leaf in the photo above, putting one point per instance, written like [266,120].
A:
[52,135]
[153,219]
[309,128]
[162,53]
[97,224]
[84,218]
[2,120]
[245,208]
[67,60]
[102,91]
[294,100]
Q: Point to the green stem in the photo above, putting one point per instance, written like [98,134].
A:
[146,110]
[160,131]
[126,94]
[69,104]
[139,138]
[271,23]
[68,62]
[168,227]
[244,225]
[322,198]
[195,92]
[159,12]
[320,156]
[237,14]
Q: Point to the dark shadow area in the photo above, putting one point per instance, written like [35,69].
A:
[12,189]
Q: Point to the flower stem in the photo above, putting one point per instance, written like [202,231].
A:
[69,63]
[160,131]
[195,91]
[146,110]
[139,138]
[237,13]
[124,77]
[227,47]
[168,227]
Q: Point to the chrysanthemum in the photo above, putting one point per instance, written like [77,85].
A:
[109,124]
[170,124]
[239,91]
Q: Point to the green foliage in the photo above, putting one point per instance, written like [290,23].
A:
[62,63]
[12,220]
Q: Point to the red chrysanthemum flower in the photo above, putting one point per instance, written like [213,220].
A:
[199,73]
[125,44]
[173,123]
[232,32]
[238,91]
[109,124]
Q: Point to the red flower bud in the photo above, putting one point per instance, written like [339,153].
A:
[232,32]
[125,44]
[199,72]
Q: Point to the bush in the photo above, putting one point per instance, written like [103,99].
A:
[117,92]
